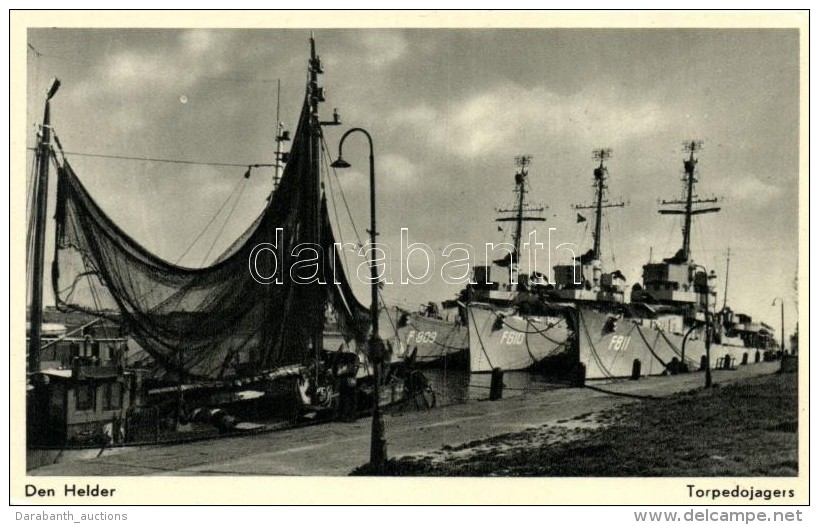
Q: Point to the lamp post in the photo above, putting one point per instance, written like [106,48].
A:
[782,320]
[378,441]
[708,323]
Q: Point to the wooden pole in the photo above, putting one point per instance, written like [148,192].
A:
[38,255]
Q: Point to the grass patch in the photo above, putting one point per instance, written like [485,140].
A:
[743,429]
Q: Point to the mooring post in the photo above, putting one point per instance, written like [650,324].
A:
[579,377]
[348,400]
[635,370]
[496,386]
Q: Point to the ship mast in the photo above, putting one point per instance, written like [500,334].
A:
[521,161]
[282,135]
[691,199]
[522,209]
[38,252]
[727,264]
[600,175]
[316,95]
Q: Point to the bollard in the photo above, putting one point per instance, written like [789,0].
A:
[496,386]
[635,370]
[745,358]
[348,400]
[580,375]
[757,356]
[703,363]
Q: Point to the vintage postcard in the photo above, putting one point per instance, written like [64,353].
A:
[349,257]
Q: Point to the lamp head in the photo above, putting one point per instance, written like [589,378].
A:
[340,163]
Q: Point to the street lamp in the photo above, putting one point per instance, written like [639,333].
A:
[782,318]
[708,323]
[378,441]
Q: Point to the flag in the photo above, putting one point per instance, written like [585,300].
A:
[580,218]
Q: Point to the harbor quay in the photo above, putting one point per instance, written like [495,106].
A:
[337,448]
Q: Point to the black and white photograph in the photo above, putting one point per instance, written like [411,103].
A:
[550,246]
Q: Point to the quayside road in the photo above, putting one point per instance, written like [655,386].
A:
[335,449]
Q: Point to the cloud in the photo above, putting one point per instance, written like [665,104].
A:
[397,169]
[507,114]
[382,48]
[417,116]
[754,190]
[491,120]
[197,41]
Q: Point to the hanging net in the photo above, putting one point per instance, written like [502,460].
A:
[216,322]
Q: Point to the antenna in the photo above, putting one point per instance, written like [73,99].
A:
[601,154]
[727,265]
[693,145]
[522,162]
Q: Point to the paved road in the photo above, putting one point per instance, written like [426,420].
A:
[335,449]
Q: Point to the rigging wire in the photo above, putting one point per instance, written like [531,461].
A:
[610,243]
[335,211]
[227,220]
[347,206]
[701,237]
[212,219]
[349,214]
[674,225]
[170,161]
[30,195]
[201,233]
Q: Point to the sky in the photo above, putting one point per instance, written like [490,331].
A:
[448,111]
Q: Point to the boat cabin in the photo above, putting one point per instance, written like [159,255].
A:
[585,281]
[80,394]
[679,284]
[83,405]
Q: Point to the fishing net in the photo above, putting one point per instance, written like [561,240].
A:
[217,322]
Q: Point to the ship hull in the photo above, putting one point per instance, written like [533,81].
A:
[609,344]
[435,342]
[502,339]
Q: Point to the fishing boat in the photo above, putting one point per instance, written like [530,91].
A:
[241,337]
[670,324]
[510,326]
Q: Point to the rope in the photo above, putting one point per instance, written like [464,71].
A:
[650,349]
[553,351]
[622,394]
[529,350]
[606,372]
[536,330]
[480,340]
